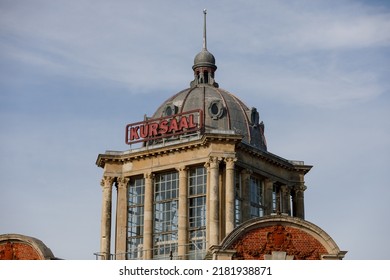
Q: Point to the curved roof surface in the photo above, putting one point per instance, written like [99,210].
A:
[222,111]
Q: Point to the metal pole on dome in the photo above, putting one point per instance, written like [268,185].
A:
[204,30]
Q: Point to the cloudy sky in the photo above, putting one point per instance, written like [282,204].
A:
[74,73]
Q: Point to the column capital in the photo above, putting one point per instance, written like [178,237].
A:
[148,175]
[230,162]
[269,181]
[299,188]
[121,182]
[247,171]
[107,181]
[182,168]
[214,162]
[285,189]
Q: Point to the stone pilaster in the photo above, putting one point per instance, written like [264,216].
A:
[105,233]
[229,195]
[148,217]
[183,213]
[121,219]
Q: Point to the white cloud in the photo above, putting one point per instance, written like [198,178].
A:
[337,32]
[305,82]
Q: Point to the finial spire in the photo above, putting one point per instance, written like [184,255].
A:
[204,30]
[204,63]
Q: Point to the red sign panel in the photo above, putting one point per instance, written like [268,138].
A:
[165,127]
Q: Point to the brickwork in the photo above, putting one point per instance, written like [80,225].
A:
[22,247]
[255,244]
[18,251]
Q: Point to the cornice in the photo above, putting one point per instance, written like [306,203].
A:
[274,159]
[158,150]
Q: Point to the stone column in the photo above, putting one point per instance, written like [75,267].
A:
[121,219]
[207,166]
[298,201]
[246,191]
[214,202]
[286,200]
[183,213]
[148,217]
[268,189]
[105,233]
[230,195]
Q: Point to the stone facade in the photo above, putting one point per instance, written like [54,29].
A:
[229,164]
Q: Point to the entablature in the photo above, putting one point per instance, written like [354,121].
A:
[271,166]
[160,150]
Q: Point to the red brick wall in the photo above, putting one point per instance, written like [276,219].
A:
[253,245]
[13,250]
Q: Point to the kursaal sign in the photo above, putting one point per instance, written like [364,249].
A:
[165,127]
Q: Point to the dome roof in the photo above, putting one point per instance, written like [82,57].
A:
[204,59]
[222,112]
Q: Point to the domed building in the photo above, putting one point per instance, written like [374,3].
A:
[204,186]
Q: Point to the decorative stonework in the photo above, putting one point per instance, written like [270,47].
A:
[230,161]
[214,162]
[216,109]
[122,182]
[107,181]
[278,239]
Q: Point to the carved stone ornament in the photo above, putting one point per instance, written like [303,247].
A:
[277,240]
[122,182]
[216,109]
[107,181]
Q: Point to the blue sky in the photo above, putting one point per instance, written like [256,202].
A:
[74,73]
